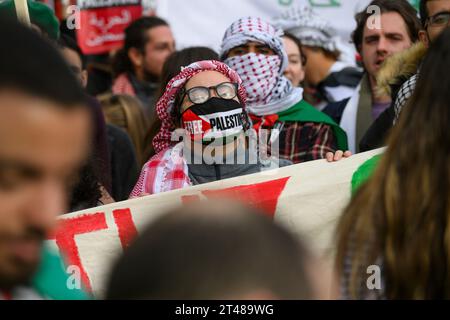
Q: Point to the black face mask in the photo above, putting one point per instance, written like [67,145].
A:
[216,118]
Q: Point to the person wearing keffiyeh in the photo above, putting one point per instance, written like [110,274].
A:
[254,48]
[173,167]
[331,74]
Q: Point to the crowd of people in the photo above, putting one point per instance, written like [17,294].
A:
[154,119]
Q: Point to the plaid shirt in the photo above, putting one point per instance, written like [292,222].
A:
[301,142]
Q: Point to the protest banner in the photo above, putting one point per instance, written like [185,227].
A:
[307,198]
[203,23]
[102,23]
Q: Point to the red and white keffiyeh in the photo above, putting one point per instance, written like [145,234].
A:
[168,169]
[165,104]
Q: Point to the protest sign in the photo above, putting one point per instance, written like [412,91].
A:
[307,198]
[102,23]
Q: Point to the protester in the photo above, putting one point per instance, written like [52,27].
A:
[435,17]
[399,222]
[295,70]
[138,65]
[399,74]
[188,104]
[74,57]
[115,155]
[182,58]
[173,65]
[254,49]
[190,119]
[329,73]
[399,29]
[45,130]
[100,160]
[98,66]
[227,251]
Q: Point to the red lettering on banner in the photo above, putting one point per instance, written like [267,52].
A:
[125,225]
[65,238]
[263,195]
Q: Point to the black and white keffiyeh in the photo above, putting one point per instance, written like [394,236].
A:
[404,94]
[312,30]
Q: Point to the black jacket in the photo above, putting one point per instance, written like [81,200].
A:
[124,165]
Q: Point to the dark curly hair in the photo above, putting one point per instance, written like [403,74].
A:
[86,192]
[402,7]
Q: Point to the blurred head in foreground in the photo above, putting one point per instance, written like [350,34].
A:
[44,139]
[212,250]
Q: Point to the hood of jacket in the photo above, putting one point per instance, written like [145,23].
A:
[400,67]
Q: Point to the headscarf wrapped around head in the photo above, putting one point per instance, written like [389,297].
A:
[313,30]
[310,28]
[268,91]
[250,29]
[166,103]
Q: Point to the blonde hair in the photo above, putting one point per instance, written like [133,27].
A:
[126,112]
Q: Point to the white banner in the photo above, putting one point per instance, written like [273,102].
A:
[200,22]
[307,198]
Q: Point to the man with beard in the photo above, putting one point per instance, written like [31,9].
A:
[45,129]
[138,65]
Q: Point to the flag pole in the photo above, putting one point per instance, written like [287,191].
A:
[22,11]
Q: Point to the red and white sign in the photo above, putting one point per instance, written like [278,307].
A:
[102,23]
[306,198]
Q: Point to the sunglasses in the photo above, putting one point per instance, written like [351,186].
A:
[199,95]
[440,19]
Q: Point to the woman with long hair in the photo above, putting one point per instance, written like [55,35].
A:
[126,112]
[400,219]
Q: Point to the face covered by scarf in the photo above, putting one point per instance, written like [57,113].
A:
[259,72]
[268,90]
[212,123]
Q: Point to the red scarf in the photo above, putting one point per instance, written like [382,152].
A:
[263,122]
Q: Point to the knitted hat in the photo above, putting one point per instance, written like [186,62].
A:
[40,15]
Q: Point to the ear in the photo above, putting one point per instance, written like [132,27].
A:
[84,78]
[423,36]
[136,57]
